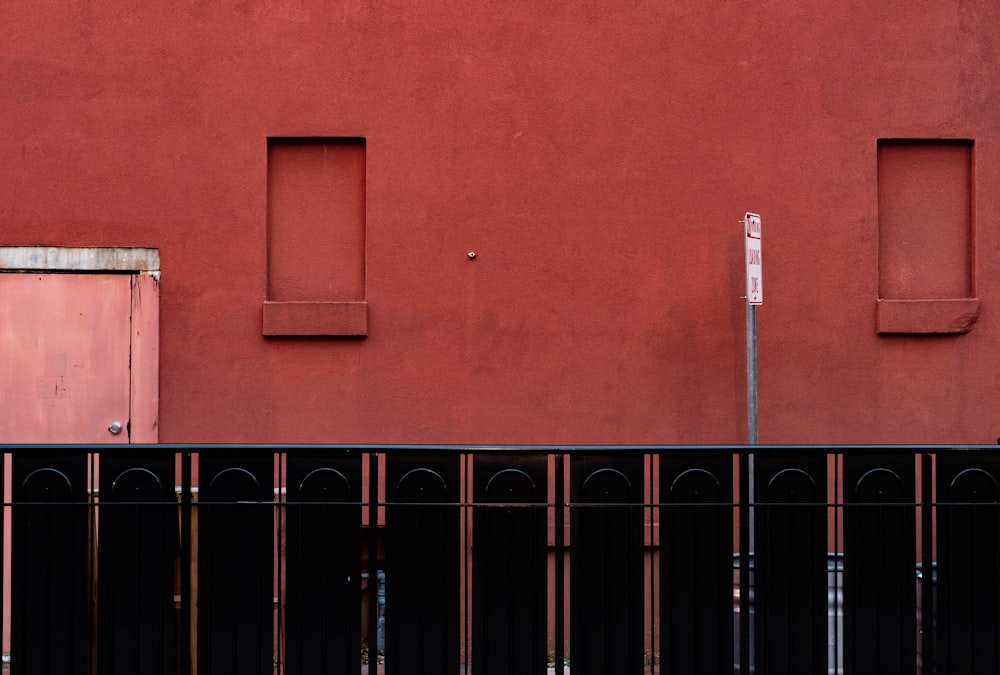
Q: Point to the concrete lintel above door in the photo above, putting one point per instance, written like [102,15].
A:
[80,259]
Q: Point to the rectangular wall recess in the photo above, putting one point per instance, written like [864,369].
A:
[926,280]
[315,237]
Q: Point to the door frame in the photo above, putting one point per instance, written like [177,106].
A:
[143,265]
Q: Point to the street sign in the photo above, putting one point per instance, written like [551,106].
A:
[755,296]
[755,288]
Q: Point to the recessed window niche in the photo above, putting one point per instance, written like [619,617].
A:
[926,262]
[315,237]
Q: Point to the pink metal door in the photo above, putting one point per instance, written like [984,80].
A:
[64,358]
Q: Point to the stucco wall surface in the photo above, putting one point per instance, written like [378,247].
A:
[596,156]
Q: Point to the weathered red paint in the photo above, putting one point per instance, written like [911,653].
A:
[595,155]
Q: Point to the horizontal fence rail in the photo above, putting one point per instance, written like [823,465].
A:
[413,560]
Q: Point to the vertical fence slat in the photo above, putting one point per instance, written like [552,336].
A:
[375,586]
[423,633]
[790,564]
[509,565]
[559,562]
[137,547]
[927,613]
[5,600]
[968,572]
[185,624]
[745,624]
[696,495]
[606,562]
[323,564]
[879,564]
[235,562]
[50,629]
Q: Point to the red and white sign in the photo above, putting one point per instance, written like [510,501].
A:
[755,287]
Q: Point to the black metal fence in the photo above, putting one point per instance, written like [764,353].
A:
[247,560]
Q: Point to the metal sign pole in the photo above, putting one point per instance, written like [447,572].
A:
[751,374]
[754,296]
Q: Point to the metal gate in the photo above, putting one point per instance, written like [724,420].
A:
[263,559]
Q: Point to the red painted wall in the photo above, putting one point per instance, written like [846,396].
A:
[595,155]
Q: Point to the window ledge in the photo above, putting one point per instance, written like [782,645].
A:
[316,318]
[937,317]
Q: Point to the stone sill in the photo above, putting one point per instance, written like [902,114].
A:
[928,317]
[348,319]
